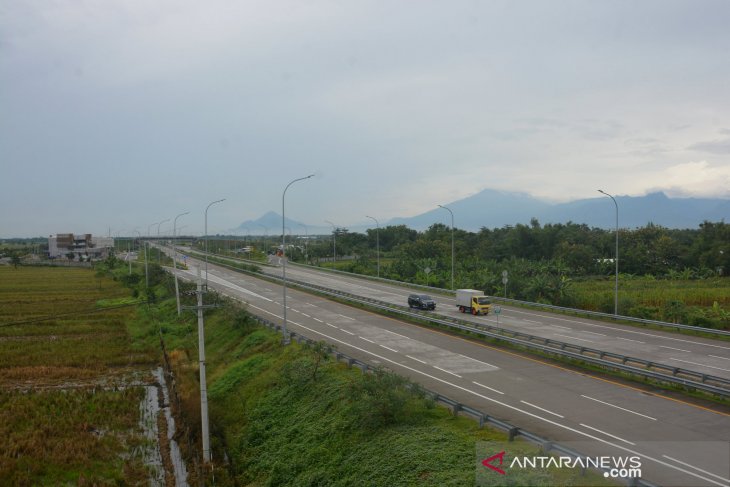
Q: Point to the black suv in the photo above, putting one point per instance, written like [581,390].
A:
[421,301]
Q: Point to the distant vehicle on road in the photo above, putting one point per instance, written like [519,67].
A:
[421,301]
[472,301]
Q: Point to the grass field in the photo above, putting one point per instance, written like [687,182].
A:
[69,413]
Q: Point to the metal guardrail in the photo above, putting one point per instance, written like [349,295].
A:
[459,408]
[679,376]
[575,311]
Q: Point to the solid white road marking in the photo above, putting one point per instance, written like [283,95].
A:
[487,387]
[594,333]
[478,361]
[717,356]
[607,434]
[447,371]
[575,338]
[629,340]
[618,407]
[701,365]
[396,334]
[696,468]
[542,409]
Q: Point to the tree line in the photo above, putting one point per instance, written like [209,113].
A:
[541,260]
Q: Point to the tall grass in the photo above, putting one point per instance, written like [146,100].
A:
[594,294]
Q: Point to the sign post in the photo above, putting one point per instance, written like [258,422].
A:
[505,280]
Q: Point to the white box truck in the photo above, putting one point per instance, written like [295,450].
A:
[472,301]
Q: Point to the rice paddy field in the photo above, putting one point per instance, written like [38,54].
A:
[70,379]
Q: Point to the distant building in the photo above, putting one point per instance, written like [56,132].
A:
[84,247]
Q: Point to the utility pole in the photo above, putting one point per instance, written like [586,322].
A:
[203,385]
[201,361]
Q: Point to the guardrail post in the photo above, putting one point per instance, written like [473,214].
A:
[455,409]
[482,419]
[513,432]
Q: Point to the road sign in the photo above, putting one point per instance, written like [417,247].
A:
[504,274]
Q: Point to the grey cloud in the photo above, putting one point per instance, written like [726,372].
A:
[721,146]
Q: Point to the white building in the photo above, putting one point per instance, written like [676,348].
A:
[84,246]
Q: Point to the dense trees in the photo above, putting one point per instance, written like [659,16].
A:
[541,260]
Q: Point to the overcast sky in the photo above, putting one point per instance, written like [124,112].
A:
[119,114]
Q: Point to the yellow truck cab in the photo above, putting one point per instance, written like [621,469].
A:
[473,301]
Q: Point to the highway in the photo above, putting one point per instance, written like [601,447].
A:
[680,444]
[699,354]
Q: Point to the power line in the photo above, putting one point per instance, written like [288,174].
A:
[75,313]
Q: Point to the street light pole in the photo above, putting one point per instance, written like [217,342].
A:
[206,240]
[159,250]
[146,244]
[140,238]
[283,251]
[334,242]
[266,234]
[452,244]
[615,297]
[377,239]
[306,243]
[174,260]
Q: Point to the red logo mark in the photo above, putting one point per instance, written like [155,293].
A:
[488,463]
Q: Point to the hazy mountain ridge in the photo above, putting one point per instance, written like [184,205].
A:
[495,209]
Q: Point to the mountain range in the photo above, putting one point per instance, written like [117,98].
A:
[495,209]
